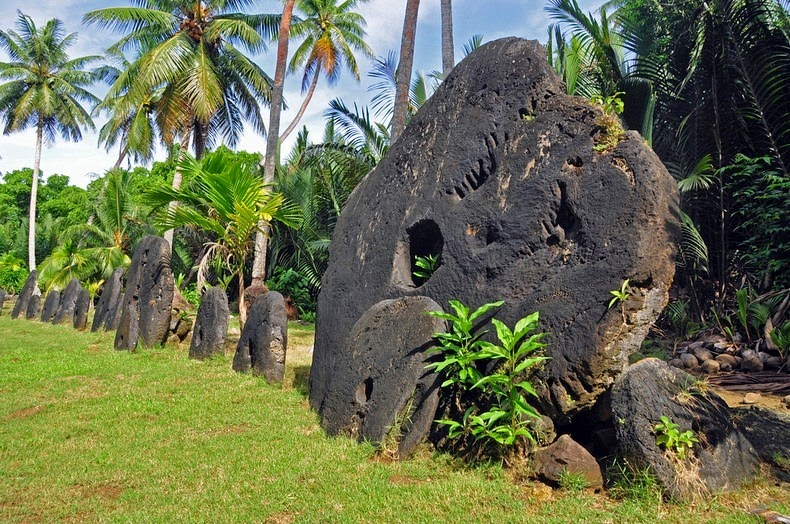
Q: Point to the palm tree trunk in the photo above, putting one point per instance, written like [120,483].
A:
[403,74]
[31,230]
[177,179]
[448,55]
[261,241]
[242,302]
[303,107]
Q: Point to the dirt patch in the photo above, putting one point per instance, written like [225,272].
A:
[280,518]
[106,490]
[735,399]
[405,480]
[230,430]
[24,412]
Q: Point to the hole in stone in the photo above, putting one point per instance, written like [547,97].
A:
[553,240]
[566,218]
[425,250]
[524,112]
[492,234]
[575,162]
[364,391]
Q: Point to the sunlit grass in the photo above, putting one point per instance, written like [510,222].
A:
[88,434]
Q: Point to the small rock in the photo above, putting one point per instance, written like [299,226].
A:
[727,361]
[711,366]
[702,354]
[676,362]
[175,319]
[234,331]
[695,345]
[751,398]
[773,363]
[786,401]
[716,339]
[173,340]
[544,431]
[566,455]
[752,363]
[538,492]
[721,347]
[746,353]
[689,361]
[763,356]
[183,329]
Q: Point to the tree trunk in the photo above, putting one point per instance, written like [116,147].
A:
[303,107]
[31,230]
[177,179]
[259,261]
[403,74]
[448,54]
[242,302]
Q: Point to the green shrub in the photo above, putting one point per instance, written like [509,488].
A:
[13,273]
[294,284]
[505,424]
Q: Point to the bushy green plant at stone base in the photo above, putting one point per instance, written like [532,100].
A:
[292,283]
[505,423]
[13,273]
[570,481]
[669,436]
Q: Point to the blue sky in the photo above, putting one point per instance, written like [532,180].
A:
[80,161]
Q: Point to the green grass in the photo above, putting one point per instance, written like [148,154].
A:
[89,434]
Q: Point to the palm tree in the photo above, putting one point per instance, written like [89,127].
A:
[131,121]
[448,54]
[384,72]
[92,251]
[403,75]
[275,111]
[43,89]
[225,199]
[332,32]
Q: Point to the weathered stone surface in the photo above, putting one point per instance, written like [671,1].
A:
[114,315]
[702,354]
[497,174]
[768,430]
[81,310]
[2,299]
[264,339]
[211,325]
[109,303]
[752,363]
[183,329]
[33,306]
[51,305]
[22,301]
[566,455]
[68,303]
[723,460]
[710,367]
[689,361]
[145,315]
[385,375]
[726,362]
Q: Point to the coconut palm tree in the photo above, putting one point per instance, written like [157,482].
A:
[270,158]
[405,64]
[194,51]
[448,53]
[332,32]
[225,199]
[45,89]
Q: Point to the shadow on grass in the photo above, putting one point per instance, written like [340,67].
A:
[302,380]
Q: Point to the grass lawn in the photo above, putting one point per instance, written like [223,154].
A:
[91,434]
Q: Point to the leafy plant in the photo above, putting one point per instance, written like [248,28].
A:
[781,337]
[460,347]
[13,273]
[610,124]
[620,296]
[506,422]
[426,266]
[294,284]
[669,436]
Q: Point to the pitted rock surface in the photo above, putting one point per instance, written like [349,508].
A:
[33,307]
[497,174]
[2,299]
[211,325]
[81,310]
[109,303]
[23,300]
[145,315]
[264,339]
[51,305]
[369,395]
[68,303]
[724,459]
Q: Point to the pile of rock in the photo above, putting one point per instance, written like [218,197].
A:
[715,354]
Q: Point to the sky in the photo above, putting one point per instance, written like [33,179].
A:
[85,160]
